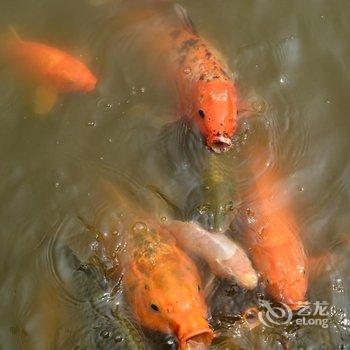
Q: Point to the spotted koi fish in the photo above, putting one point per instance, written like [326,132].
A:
[204,84]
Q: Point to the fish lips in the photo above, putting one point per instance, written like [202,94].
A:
[219,143]
[198,339]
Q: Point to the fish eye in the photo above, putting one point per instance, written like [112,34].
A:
[201,113]
[154,307]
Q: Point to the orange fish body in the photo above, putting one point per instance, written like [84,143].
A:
[163,286]
[51,70]
[276,248]
[205,88]
[49,66]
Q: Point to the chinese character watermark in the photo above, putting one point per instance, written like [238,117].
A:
[311,314]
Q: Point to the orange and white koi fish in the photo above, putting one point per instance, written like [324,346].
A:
[52,70]
[275,246]
[205,87]
[225,258]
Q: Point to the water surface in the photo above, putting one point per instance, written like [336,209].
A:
[294,55]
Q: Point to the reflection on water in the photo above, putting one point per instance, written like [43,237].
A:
[294,55]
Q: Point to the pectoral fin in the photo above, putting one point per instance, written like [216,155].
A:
[45,99]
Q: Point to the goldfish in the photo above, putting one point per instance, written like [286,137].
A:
[161,283]
[225,258]
[204,84]
[163,286]
[52,70]
[275,245]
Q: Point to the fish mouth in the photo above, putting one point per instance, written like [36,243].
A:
[220,144]
[197,340]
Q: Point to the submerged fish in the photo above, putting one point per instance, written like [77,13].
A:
[53,71]
[161,283]
[204,84]
[225,258]
[214,203]
[275,245]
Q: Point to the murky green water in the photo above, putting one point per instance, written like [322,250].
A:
[293,54]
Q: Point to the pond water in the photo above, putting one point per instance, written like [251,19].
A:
[293,55]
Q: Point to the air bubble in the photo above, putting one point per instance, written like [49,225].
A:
[133,91]
[91,123]
[105,334]
[104,105]
[118,339]
[338,285]
[187,70]
[140,227]
[94,246]
[283,79]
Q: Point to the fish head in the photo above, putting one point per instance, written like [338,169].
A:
[73,76]
[165,293]
[215,112]
[292,295]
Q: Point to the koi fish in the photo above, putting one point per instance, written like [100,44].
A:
[164,288]
[214,202]
[205,87]
[275,246]
[161,283]
[225,258]
[52,70]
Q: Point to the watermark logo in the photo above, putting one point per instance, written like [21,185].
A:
[312,314]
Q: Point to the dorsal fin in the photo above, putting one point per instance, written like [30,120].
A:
[15,34]
[185,18]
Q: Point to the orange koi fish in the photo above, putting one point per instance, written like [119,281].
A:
[164,288]
[206,90]
[161,283]
[52,70]
[275,246]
